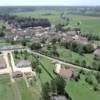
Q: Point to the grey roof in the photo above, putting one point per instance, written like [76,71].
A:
[58,98]
[24,63]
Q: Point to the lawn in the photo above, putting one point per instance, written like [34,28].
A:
[6,88]
[49,67]
[3,42]
[31,93]
[24,91]
[82,90]
[89,24]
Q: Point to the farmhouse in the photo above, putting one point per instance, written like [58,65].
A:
[66,73]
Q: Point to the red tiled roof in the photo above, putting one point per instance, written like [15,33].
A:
[66,73]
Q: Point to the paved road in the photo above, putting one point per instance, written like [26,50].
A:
[64,63]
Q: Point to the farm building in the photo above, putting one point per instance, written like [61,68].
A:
[66,73]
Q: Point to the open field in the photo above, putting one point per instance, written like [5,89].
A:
[6,88]
[82,90]
[89,24]
[31,93]
[49,67]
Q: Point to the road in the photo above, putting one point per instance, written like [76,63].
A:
[61,62]
[54,59]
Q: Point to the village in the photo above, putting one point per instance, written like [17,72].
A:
[41,61]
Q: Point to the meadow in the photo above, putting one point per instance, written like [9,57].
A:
[88,24]
[7,91]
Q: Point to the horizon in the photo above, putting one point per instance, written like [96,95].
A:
[50,3]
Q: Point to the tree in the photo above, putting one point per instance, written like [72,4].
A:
[89,80]
[45,91]
[38,69]
[2,34]
[24,43]
[77,61]
[36,46]
[98,77]
[59,27]
[60,83]
[3,28]
[88,48]
[96,87]
[83,63]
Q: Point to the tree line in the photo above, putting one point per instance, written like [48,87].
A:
[24,22]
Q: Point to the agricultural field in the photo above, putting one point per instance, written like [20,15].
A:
[7,91]
[44,76]
[31,93]
[88,24]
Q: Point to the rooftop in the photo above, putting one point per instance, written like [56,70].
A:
[66,73]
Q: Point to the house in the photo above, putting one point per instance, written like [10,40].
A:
[59,97]
[2,62]
[58,67]
[80,40]
[66,73]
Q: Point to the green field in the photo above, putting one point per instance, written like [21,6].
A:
[89,24]
[6,88]
[82,90]
[49,66]
[31,93]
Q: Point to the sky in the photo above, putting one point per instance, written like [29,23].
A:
[49,2]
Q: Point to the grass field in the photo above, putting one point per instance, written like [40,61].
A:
[49,66]
[89,24]
[6,88]
[31,93]
[81,90]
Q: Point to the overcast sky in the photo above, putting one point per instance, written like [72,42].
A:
[49,2]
